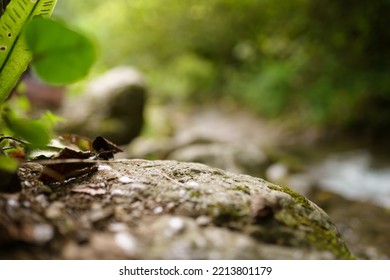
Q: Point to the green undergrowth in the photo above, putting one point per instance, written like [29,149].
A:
[55,54]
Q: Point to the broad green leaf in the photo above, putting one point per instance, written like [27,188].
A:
[8,164]
[14,55]
[60,55]
[35,132]
[51,120]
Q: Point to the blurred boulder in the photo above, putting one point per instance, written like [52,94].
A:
[235,141]
[228,155]
[233,157]
[112,106]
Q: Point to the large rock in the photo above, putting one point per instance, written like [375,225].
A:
[112,106]
[141,209]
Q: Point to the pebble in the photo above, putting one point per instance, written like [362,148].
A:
[42,200]
[54,211]
[125,180]
[104,167]
[158,210]
[117,227]
[126,242]
[176,224]
[13,202]
[43,233]
[276,172]
[192,184]
[27,184]
[203,220]
[117,192]
[138,186]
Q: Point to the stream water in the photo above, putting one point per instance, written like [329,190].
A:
[356,175]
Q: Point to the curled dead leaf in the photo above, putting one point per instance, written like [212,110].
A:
[62,170]
[71,163]
[105,148]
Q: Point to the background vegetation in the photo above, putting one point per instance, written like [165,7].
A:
[57,54]
[315,62]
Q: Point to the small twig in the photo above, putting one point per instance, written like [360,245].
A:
[173,180]
[13,138]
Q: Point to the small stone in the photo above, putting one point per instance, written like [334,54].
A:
[276,172]
[138,186]
[126,242]
[118,192]
[158,210]
[43,233]
[117,227]
[27,184]
[104,167]
[182,193]
[170,206]
[27,204]
[203,220]
[13,202]
[192,184]
[176,224]
[42,200]
[54,211]
[125,180]
[100,214]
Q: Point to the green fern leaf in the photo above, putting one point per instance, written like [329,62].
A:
[14,54]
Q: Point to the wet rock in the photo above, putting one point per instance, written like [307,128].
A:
[182,211]
[112,106]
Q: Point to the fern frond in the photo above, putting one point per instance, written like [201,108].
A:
[14,54]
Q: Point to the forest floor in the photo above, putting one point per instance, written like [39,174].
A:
[236,140]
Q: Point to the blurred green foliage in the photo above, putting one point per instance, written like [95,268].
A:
[59,55]
[323,62]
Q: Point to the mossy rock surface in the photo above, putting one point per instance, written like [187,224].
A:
[143,209]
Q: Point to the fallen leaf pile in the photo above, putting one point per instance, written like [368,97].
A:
[68,156]
[72,163]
